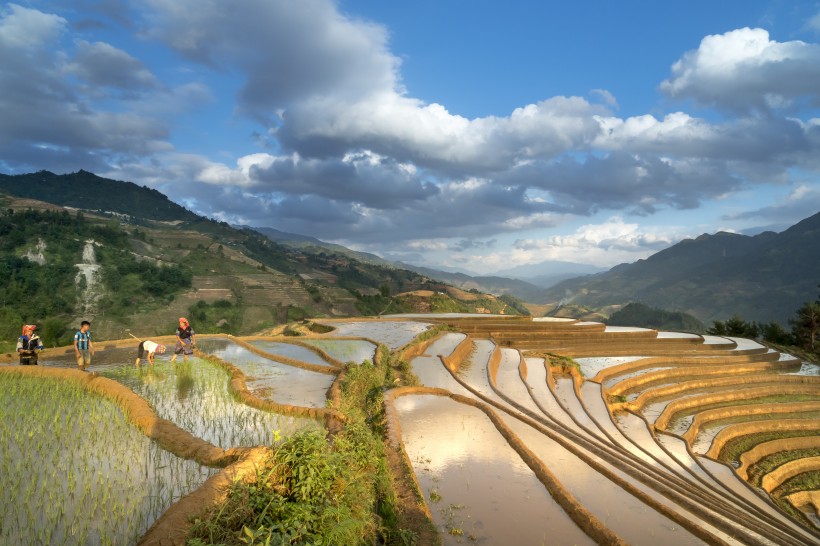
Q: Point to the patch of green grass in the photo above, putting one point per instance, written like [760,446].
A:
[735,447]
[807,481]
[318,491]
[775,460]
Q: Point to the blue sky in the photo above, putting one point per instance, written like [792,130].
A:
[476,135]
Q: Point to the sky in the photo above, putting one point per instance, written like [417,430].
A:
[473,135]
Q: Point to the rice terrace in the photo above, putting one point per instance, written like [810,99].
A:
[454,428]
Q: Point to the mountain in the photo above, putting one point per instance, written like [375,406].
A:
[637,314]
[317,246]
[548,273]
[489,284]
[87,191]
[762,278]
[150,261]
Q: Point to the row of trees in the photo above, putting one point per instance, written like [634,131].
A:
[805,328]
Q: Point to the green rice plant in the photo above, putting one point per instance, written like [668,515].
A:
[75,471]
[196,397]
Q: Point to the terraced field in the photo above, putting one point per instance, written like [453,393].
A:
[518,431]
[637,436]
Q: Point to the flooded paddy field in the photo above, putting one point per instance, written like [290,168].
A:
[393,333]
[196,397]
[513,447]
[477,487]
[691,499]
[287,350]
[345,350]
[66,482]
[272,380]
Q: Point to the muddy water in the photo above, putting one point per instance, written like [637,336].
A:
[611,382]
[677,448]
[541,395]
[590,366]
[478,488]
[732,481]
[565,393]
[509,382]
[289,350]
[429,369]
[346,350]
[634,428]
[102,359]
[473,370]
[196,397]
[807,368]
[393,333]
[272,380]
[628,517]
[596,407]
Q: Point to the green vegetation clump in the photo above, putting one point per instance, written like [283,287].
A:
[736,446]
[643,316]
[219,317]
[515,303]
[769,463]
[315,491]
[48,293]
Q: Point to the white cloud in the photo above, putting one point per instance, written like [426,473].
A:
[743,69]
[607,243]
[28,29]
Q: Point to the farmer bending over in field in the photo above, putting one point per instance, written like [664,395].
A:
[147,349]
[27,346]
[185,340]
[83,348]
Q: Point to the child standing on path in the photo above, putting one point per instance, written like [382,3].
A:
[27,346]
[185,340]
[83,348]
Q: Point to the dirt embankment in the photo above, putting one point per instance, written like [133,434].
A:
[332,418]
[172,528]
[779,475]
[725,397]
[705,417]
[333,369]
[758,427]
[771,447]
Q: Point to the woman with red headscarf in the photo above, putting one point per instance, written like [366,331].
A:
[27,346]
[185,340]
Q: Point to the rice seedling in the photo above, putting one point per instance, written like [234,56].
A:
[76,472]
[196,397]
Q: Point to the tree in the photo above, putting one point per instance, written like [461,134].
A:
[773,332]
[718,328]
[806,325]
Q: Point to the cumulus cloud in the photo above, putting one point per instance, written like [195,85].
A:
[101,64]
[350,154]
[608,242]
[745,70]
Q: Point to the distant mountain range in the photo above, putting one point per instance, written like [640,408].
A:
[762,278]
[548,273]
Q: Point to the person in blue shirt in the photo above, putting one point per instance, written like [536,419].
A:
[83,347]
[28,345]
